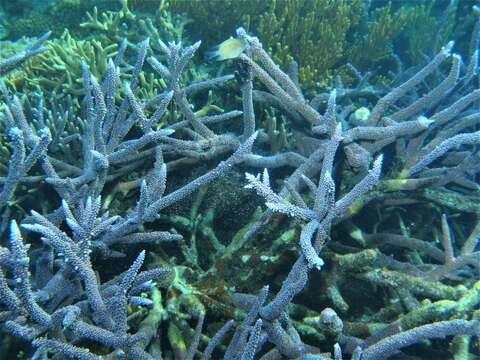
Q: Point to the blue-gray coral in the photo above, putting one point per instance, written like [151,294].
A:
[421,134]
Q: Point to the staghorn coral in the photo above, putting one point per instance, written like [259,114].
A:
[346,240]
[323,36]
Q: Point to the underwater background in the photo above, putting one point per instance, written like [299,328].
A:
[239,179]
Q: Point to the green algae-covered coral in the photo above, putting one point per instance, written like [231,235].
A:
[312,32]
[319,34]
[59,69]
[135,22]
[374,46]
[82,17]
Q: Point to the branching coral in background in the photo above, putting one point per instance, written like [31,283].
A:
[14,61]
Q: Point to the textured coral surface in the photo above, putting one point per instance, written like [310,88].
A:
[294,179]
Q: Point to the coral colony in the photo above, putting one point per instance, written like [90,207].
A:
[108,250]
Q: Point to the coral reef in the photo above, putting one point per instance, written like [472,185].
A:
[155,206]
[323,36]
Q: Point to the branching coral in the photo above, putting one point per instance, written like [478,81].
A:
[339,264]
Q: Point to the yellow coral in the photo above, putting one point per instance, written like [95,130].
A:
[59,68]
